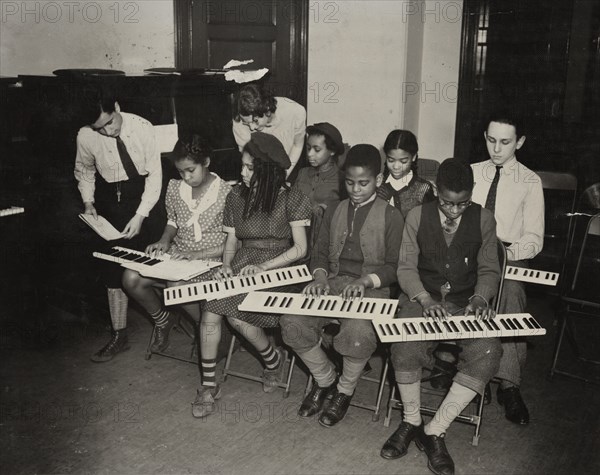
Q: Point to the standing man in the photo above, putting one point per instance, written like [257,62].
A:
[119,176]
[514,194]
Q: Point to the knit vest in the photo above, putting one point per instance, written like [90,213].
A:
[457,263]
[372,237]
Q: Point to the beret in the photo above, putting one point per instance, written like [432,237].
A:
[268,148]
[325,128]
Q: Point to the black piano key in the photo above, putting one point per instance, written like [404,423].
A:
[430,327]
[333,305]
[505,324]
[153,262]
[447,326]
[535,323]
[464,325]
[494,325]
[321,304]
[311,302]
[289,304]
[424,330]
[406,328]
[438,329]
[517,323]
[478,325]
[414,328]
[118,253]
[454,326]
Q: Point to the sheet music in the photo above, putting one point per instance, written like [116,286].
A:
[102,227]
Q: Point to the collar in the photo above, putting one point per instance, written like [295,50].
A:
[370,200]
[401,183]
[508,167]
[443,217]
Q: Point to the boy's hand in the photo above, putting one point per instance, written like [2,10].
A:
[223,272]
[353,290]
[320,286]
[432,308]
[252,269]
[480,308]
[157,248]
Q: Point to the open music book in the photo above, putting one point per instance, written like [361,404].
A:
[102,227]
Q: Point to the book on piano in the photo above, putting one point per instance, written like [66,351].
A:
[102,227]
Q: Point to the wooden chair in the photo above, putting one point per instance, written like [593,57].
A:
[476,418]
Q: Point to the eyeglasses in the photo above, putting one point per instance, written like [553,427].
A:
[450,204]
[253,119]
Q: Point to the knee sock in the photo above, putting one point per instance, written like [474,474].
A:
[117,305]
[209,371]
[161,317]
[270,357]
[353,368]
[453,404]
[319,366]
[411,402]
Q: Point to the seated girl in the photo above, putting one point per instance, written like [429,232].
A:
[402,187]
[268,220]
[194,207]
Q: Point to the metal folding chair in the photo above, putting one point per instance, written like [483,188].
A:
[560,196]
[285,384]
[581,299]
[475,418]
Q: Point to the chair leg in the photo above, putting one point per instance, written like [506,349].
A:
[559,340]
[288,380]
[148,354]
[381,389]
[390,405]
[480,404]
[228,360]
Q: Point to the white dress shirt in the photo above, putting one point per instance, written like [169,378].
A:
[97,152]
[519,207]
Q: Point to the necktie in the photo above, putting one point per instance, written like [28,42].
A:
[450,226]
[490,202]
[126,160]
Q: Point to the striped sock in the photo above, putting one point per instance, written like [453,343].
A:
[270,357]
[161,317]
[209,372]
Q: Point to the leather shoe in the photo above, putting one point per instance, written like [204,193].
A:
[314,400]
[117,344]
[336,410]
[397,445]
[514,406]
[439,460]
[161,335]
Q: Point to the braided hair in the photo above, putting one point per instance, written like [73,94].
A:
[266,181]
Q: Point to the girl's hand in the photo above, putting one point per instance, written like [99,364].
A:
[157,248]
[134,226]
[182,256]
[223,272]
[90,209]
[252,269]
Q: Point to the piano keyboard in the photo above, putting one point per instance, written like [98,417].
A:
[157,267]
[456,328]
[10,211]
[213,289]
[531,275]
[325,306]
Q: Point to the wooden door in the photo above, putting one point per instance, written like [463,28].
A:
[271,32]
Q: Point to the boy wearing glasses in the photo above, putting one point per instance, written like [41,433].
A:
[448,265]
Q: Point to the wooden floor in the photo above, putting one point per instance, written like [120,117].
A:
[62,413]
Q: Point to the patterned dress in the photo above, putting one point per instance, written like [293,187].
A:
[292,209]
[181,209]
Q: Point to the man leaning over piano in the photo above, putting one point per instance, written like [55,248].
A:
[448,265]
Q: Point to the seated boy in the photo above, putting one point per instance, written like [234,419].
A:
[448,265]
[355,255]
